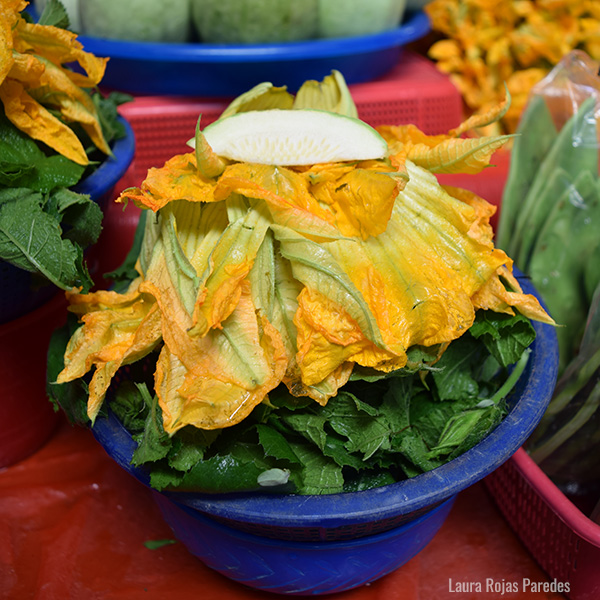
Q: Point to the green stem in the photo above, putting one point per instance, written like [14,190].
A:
[583,415]
[512,379]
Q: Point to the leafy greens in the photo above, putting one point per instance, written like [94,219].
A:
[376,431]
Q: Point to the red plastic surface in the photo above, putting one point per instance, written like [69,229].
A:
[27,419]
[560,537]
[488,184]
[74,525]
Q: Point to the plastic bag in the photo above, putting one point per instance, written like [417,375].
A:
[566,443]
[550,225]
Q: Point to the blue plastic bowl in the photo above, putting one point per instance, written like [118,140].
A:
[101,183]
[300,568]
[316,544]
[194,69]
[21,291]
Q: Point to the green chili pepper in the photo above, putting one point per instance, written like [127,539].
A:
[536,134]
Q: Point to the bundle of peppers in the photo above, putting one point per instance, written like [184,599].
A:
[550,224]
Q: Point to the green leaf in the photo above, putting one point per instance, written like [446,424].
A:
[454,379]
[31,239]
[70,397]
[368,480]
[311,426]
[320,475]
[190,447]
[153,443]
[505,336]
[395,407]
[23,162]
[335,448]
[126,272]
[222,474]
[81,217]
[275,444]
[54,14]
[156,544]
[456,431]
[416,451]
[108,114]
[358,421]
[129,406]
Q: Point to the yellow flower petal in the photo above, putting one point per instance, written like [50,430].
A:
[32,118]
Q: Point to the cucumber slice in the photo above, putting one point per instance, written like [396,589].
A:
[293,137]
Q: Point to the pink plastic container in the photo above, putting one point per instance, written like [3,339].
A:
[564,542]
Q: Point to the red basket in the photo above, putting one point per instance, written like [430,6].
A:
[413,92]
[564,542]
[27,418]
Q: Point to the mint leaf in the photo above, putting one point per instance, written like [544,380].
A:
[275,444]
[24,163]
[311,426]
[454,378]
[81,217]
[32,240]
[357,421]
[505,336]
[54,14]
[190,446]
[70,397]
[320,475]
[153,443]
[221,474]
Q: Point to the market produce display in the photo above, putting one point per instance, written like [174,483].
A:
[54,130]
[317,327]
[549,224]
[484,46]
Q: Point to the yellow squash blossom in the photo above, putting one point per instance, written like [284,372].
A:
[486,45]
[260,275]
[35,83]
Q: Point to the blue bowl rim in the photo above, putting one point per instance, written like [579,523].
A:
[415,25]
[329,545]
[109,172]
[402,498]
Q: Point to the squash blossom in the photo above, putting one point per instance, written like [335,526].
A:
[41,96]
[485,45]
[253,275]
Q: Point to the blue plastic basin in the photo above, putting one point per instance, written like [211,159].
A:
[322,544]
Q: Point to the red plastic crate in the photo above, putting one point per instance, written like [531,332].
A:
[413,92]
[564,542]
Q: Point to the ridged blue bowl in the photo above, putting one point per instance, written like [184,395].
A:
[293,544]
